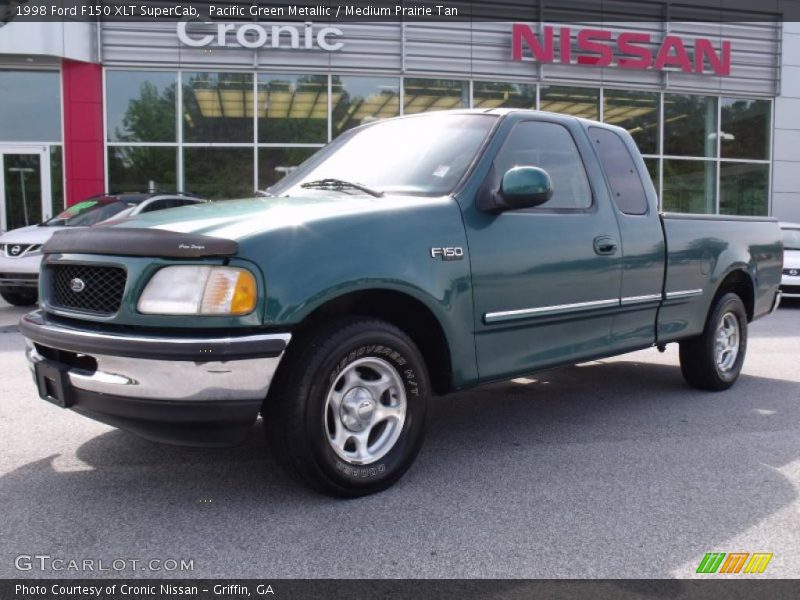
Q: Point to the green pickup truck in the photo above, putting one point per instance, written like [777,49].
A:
[409,258]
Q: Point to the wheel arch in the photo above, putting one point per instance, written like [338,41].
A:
[738,281]
[403,310]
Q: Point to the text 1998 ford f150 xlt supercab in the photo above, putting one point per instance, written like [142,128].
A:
[410,257]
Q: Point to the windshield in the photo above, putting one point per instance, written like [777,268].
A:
[422,156]
[89,212]
[791,239]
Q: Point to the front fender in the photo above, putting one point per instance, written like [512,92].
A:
[309,265]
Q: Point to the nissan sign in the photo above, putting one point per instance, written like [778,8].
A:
[253,36]
[628,50]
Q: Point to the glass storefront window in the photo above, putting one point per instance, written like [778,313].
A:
[218,173]
[275,163]
[140,106]
[743,189]
[575,101]
[690,125]
[56,180]
[359,100]
[745,128]
[653,166]
[23,189]
[292,108]
[487,94]
[689,186]
[425,95]
[30,106]
[218,107]
[141,169]
[637,112]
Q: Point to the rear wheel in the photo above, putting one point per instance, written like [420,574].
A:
[19,298]
[347,411]
[713,360]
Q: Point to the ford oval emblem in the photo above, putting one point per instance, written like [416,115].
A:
[77,285]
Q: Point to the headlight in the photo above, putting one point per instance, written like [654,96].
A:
[199,290]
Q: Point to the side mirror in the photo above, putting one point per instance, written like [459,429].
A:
[525,187]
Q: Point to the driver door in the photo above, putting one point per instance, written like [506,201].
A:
[546,280]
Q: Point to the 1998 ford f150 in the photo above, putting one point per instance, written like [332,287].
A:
[410,257]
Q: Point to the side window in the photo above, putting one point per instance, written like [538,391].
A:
[626,185]
[548,146]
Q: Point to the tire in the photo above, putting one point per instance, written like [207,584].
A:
[702,366]
[368,442]
[19,298]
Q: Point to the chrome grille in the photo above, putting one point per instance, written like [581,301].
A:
[87,288]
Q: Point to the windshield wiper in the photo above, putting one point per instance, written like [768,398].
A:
[340,184]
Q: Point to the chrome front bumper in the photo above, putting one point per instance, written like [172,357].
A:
[247,379]
[203,391]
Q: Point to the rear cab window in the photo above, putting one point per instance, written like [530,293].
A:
[623,177]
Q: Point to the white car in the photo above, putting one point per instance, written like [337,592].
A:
[21,249]
[790,283]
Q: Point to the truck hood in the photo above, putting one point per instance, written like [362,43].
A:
[239,219]
[29,235]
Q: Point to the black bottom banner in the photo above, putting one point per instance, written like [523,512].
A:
[348,589]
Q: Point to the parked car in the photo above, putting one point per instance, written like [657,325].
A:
[21,249]
[790,283]
[410,257]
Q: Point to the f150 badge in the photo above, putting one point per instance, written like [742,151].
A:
[448,253]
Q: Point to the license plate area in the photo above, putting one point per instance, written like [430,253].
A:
[53,383]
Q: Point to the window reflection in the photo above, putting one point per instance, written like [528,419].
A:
[653,168]
[690,125]
[745,128]
[218,107]
[140,106]
[30,106]
[217,173]
[426,95]
[56,180]
[275,163]
[358,100]
[141,169]
[575,101]
[487,94]
[637,112]
[743,189]
[292,108]
[689,186]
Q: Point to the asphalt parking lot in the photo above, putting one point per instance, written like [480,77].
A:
[610,469]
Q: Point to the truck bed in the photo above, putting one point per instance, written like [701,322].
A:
[702,250]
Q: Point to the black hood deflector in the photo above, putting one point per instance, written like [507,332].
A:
[122,241]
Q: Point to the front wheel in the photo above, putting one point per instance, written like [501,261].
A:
[713,360]
[347,412]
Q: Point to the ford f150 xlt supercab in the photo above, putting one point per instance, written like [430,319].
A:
[410,257]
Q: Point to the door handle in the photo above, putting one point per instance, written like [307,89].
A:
[605,245]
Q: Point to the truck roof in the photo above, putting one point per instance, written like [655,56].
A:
[506,111]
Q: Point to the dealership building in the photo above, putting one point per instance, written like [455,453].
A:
[224,109]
